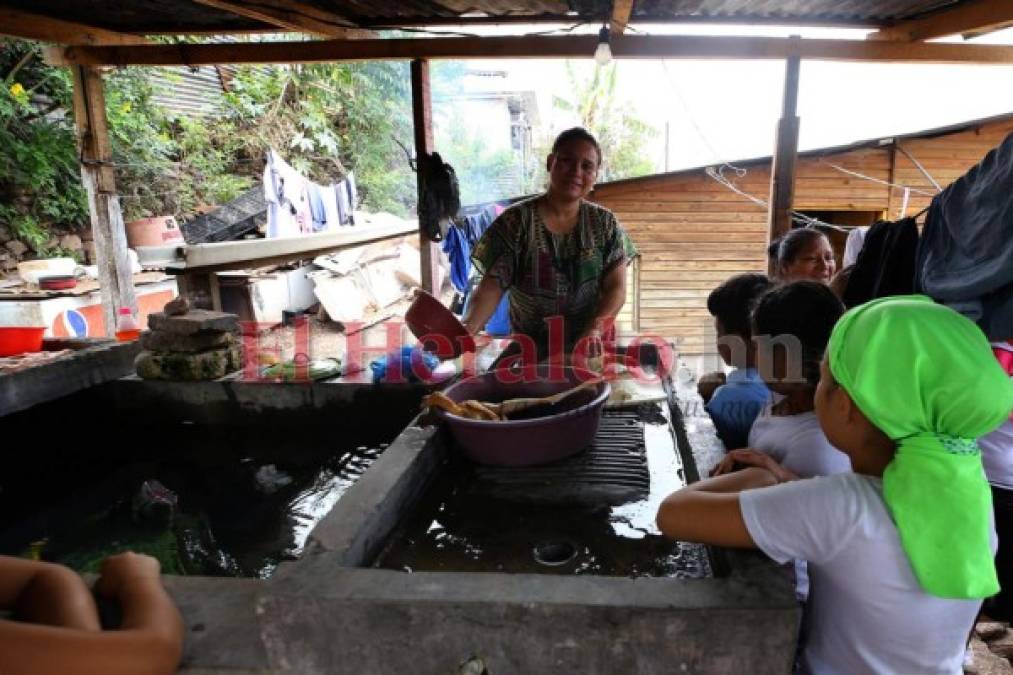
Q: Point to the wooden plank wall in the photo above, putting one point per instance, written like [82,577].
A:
[693,232]
[945,158]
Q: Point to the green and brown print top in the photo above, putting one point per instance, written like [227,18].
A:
[550,274]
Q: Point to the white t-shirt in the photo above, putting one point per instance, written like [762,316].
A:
[997,455]
[798,443]
[866,611]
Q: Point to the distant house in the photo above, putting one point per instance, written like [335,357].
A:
[503,120]
[697,227]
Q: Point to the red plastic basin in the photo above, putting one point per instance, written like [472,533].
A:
[525,442]
[19,340]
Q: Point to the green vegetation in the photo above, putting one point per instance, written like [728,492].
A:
[39,176]
[324,119]
[623,137]
[321,118]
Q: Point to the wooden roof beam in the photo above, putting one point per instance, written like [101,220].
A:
[20,24]
[621,11]
[567,46]
[971,16]
[292,15]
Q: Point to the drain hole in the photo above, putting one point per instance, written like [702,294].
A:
[555,553]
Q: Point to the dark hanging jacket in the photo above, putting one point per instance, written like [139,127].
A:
[886,263]
[965,257]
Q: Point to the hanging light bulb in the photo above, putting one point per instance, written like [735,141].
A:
[603,53]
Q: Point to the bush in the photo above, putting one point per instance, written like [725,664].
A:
[324,119]
[40,183]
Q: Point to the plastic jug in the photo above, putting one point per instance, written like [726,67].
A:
[127,327]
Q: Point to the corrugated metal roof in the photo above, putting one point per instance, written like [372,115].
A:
[182,16]
[191,92]
[881,11]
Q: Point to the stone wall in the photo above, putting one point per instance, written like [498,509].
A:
[76,242]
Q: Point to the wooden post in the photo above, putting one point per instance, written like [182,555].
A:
[422,117]
[117,286]
[782,170]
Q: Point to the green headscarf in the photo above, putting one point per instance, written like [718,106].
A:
[925,376]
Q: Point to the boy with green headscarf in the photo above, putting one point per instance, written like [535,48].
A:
[901,552]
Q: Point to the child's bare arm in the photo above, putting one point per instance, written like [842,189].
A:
[708,511]
[45,593]
[150,640]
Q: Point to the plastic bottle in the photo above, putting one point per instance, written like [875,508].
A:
[127,328]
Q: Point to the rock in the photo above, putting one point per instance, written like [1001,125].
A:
[71,242]
[1003,646]
[7,262]
[269,479]
[194,321]
[163,342]
[154,504]
[985,662]
[16,248]
[209,365]
[177,307]
[5,233]
[90,255]
[990,630]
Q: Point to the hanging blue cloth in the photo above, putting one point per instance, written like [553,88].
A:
[472,224]
[458,250]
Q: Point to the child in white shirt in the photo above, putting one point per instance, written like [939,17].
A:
[900,552]
[792,324]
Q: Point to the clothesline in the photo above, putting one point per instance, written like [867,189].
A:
[875,180]
[715,174]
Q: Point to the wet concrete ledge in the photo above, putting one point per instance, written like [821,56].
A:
[330,612]
[295,404]
[93,363]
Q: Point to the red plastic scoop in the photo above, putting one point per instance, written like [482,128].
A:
[437,327]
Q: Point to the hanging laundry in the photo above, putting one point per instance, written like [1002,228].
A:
[965,256]
[344,208]
[353,194]
[280,220]
[286,192]
[330,200]
[317,210]
[886,263]
[853,245]
[470,225]
[458,251]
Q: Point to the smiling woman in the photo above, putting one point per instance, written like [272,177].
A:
[562,258]
[805,254]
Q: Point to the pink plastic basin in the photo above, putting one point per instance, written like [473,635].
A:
[528,441]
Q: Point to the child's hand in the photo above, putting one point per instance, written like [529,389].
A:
[750,457]
[726,465]
[119,571]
